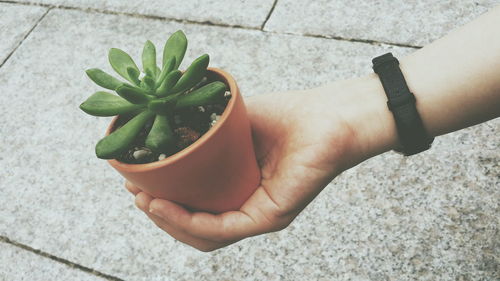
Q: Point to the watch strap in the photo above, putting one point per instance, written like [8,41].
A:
[402,103]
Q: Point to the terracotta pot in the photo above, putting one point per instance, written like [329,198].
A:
[217,173]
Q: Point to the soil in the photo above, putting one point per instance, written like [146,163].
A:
[188,124]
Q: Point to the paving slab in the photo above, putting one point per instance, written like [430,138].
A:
[228,12]
[16,22]
[403,22]
[21,265]
[433,216]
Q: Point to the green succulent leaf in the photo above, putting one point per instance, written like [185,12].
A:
[106,104]
[103,79]
[168,83]
[155,96]
[134,75]
[116,143]
[194,73]
[121,61]
[133,94]
[149,59]
[163,106]
[167,68]
[175,46]
[149,83]
[208,94]
[144,86]
[161,138]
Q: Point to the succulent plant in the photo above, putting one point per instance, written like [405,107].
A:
[156,95]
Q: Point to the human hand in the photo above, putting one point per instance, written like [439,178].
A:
[302,141]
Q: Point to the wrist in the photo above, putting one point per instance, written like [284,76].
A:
[362,104]
[372,120]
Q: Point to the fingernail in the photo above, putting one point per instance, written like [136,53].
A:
[155,212]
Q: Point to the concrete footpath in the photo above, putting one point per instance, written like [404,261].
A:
[64,214]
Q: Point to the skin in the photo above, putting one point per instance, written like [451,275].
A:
[456,81]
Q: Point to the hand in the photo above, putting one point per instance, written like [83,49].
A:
[301,142]
[304,139]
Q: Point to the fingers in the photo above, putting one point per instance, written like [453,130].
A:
[206,231]
[200,244]
[258,215]
[132,188]
[228,226]
[143,201]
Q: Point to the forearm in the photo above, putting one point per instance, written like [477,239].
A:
[456,82]
[456,79]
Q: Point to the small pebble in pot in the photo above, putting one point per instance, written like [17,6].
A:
[227,94]
[201,109]
[161,157]
[138,154]
[214,117]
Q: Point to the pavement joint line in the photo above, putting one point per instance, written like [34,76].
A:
[366,41]
[144,16]
[59,260]
[268,15]
[209,23]
[357,40]
[153,17]
[24,37]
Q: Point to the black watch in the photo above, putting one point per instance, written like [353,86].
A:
[401,102]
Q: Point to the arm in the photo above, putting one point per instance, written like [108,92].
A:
[316,134]
[456,82]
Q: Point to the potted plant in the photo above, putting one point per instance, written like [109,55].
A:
[181,136]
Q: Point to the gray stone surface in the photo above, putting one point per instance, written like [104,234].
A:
[430,217]
[229,12]
[17,264]
[16,21]
[400,21]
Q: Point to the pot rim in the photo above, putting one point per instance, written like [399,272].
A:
[233,89]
